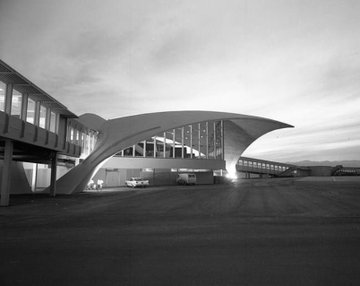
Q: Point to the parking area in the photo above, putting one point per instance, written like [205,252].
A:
[250,232]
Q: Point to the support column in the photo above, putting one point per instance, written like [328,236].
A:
[53,174]
[6,173]
[34,177]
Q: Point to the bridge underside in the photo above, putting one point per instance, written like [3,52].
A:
[25,152]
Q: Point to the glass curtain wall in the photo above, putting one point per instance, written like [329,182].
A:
[202,140]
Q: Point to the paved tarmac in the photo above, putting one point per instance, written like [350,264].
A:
[251,232]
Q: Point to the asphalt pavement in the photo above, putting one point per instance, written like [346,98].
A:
[249,232]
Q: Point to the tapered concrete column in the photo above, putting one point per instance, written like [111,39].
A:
[53,174]
[34,177]
[6,173]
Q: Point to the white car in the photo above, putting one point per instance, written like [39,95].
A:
[137,182]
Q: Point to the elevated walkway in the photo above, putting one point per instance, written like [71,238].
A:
[32,143]
[346,171]
[275,169]
[264,168]
[33,128]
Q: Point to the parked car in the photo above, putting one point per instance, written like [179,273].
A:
[137,182]
[186,179]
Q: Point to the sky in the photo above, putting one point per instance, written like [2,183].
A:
[294,61]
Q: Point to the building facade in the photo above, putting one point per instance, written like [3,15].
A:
[44,146]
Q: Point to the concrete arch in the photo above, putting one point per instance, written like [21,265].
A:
[117,134]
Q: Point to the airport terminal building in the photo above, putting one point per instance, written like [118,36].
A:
[45,147]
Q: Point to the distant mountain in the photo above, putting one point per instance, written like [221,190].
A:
[345,163]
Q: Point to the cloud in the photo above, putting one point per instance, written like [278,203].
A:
[296,62]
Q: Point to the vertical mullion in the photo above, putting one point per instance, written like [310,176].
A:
[144,148]
[174,138]
[207,140]
[155,147]
[164,145]
[182,142]
[199,139]
[214,127]
[191,141]
[24,106]
[222,140]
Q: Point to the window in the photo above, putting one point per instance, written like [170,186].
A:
[128,152]
[42,118]
[139,149]
[218,140]
[52,122]
[2,95]
[16,103]
[30,113]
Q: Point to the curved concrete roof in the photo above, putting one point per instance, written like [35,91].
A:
[117,134]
